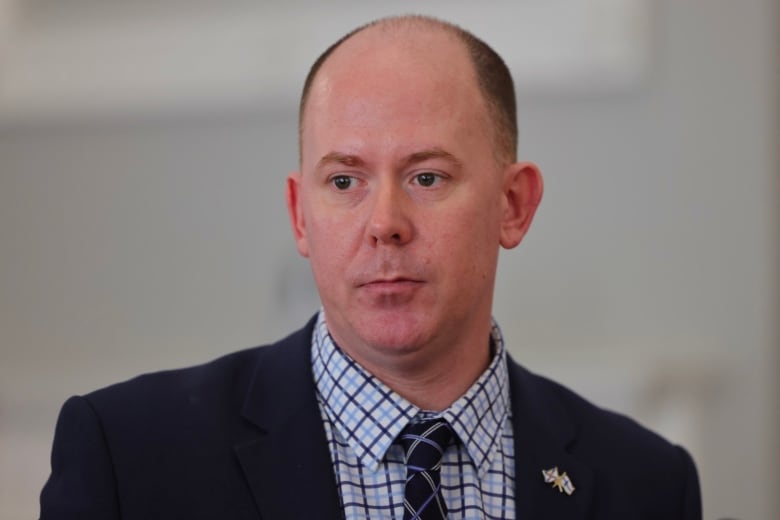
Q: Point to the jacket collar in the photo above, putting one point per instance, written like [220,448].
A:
[288,465]
[544,434]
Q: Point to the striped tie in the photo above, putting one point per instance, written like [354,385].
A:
[425,443]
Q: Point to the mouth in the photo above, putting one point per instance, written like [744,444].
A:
[390,290]
[389,282]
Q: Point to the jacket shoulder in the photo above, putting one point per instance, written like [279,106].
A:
[213,392]
[609,431]
[164,444]
[634,468]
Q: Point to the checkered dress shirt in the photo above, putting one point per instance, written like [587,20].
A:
[363,418]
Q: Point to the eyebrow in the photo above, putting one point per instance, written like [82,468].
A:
[351,160]
[432,153]
[340,158]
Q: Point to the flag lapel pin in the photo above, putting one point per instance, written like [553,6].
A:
[560,481]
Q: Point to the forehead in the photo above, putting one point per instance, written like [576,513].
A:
[398,76]
[393,85]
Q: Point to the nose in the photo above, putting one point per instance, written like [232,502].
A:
[388,221]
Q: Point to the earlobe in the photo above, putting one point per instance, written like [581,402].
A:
[295,211]
[523,187]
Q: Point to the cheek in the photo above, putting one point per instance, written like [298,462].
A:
[484,225]
[476,225]
[330,240]
[468,243]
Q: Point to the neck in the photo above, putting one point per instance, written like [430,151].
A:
[435,390]
[432,378]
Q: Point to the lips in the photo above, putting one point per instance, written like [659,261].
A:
[390,282]
[386,286]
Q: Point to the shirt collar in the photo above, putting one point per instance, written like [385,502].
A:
[369,415]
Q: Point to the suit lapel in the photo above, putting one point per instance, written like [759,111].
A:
[543,432]
[287,461]
[288,465]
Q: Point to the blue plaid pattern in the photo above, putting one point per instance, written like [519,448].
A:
[363,419]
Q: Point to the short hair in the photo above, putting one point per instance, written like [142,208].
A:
[493,79]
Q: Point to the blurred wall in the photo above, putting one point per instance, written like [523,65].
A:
[142,223]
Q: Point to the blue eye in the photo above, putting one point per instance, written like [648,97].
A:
[342,182]
[426,179]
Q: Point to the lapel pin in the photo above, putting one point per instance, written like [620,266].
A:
[562,482]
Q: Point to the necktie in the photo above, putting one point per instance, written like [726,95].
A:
[424,444]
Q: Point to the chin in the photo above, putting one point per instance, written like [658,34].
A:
[394,333]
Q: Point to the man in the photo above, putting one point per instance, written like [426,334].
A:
[397,400]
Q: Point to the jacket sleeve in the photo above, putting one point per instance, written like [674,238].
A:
[691,503]
[82,483]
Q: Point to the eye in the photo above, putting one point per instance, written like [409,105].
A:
[342,182]
[426,179]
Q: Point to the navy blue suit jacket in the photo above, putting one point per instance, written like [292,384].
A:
[241,438]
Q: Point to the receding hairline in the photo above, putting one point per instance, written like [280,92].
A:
[492,76]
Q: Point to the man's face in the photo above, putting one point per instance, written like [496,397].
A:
[400,204]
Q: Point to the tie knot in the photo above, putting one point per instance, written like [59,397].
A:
[424,443]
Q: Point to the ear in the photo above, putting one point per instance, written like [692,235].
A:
[522,193]
[295,210]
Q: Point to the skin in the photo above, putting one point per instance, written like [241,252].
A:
[401,207]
